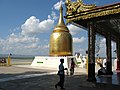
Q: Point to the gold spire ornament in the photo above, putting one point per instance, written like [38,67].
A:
[60,39]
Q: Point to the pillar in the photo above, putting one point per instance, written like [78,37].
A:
[109,55]
[118,54]
[91,52]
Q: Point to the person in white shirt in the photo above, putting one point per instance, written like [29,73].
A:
[61,75]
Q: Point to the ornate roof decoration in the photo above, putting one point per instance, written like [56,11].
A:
[77,7]
[79,11]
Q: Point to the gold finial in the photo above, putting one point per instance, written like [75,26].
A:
[61,22]
[61,25]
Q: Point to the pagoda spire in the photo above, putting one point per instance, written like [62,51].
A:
[61,21]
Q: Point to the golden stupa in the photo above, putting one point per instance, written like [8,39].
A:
[60,39]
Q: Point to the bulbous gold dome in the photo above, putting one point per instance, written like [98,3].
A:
[60,39]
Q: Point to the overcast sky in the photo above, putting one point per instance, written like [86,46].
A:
[26,25]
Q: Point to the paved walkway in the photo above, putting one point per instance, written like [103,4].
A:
[32,78]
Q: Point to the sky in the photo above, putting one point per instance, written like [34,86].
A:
[26,25]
